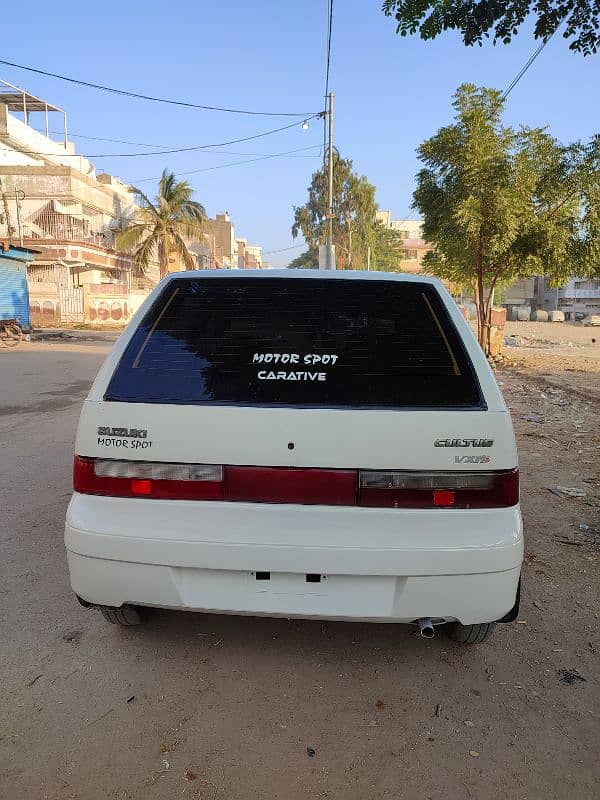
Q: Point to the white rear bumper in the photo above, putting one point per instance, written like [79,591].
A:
[376,564]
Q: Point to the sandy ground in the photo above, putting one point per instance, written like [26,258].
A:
[211,707]
[557,354]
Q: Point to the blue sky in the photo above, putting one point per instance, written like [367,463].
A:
[391,93]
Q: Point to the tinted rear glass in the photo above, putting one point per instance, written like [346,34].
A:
[297,342]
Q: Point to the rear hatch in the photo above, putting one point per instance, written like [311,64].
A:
[347,374]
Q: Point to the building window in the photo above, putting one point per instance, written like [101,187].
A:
[409,255]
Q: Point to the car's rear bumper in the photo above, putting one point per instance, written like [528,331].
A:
[378,564]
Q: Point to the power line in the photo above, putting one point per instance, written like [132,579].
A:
[284,249]
[526,66]
[126,93]
[327,69]
[147,144]
[233,164]
[174,149]
[329,32]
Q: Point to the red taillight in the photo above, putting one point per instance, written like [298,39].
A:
[332,487]
[145,479]
[394,489]
[327,487]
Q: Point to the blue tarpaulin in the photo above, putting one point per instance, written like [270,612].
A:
[14,293]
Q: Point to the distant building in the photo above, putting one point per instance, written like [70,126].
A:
[222,230]
[253,259]
[53,200]
[414,247]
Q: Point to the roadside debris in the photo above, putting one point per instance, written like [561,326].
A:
[380,705]
[571,676]
[311,752]
[590,530]
[538,605]
[473,753]
[130,699]
[438,709]
[72,636]
[33,680]
[188,775]
[533,418]
[106,713]
[566,491]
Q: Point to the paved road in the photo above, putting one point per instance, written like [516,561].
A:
[224,708]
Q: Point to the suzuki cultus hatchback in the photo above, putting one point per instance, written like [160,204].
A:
[299,444]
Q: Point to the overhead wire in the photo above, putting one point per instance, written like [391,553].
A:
[191,149]
[139,96]
[147,144]
[232,164]
[283,249]
[526,66]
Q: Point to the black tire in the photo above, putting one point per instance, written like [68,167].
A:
[127,616]
[470,634]
[12,335]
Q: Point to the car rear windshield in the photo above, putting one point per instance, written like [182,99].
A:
[297,342]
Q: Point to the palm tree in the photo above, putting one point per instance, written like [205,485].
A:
[162,227]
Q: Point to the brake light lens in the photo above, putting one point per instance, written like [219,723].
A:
[327,487]
[396,489]
[147,479]
[304,486]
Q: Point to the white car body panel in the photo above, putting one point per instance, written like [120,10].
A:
[382,564]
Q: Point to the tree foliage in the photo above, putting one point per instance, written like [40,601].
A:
[500,204]
[163,226]
[476,19]
[307,260]
[354,210]
[388,250]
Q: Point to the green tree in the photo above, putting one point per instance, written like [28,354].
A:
[354,210]
[499,204]
[476,18]
[387,255]
[161,227]
[307,260]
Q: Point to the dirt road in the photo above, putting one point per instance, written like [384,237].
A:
[197,706]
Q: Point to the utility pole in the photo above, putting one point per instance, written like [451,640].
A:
[9,227]
[19,196]
[330,181]
[327,251]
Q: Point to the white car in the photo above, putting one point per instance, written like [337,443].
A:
[299,444]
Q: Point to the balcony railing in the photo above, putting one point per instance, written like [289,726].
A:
[62,228]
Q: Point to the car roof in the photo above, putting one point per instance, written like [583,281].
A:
[405,277]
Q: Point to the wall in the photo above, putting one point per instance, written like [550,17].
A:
[44,304]
[106,304]
[135,301]
[19,135]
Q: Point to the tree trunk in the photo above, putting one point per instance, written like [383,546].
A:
[350,245]
[483,317]
[163,259]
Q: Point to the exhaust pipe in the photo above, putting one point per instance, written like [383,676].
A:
[426,628]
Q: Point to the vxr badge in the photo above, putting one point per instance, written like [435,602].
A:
[472,459]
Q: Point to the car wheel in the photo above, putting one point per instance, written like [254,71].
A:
[125,615]
[470,634]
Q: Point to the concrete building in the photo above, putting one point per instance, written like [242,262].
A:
[253,257]
[54,201]
[414,247]
[577,298]
[222,229]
